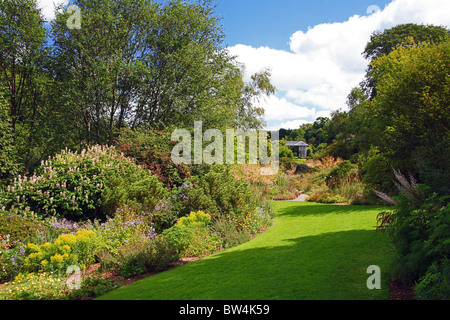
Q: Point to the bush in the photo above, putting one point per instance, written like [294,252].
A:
[128,224]
[92,286]
[69,249]
[17,228]
[376,171]
[195,220]
[81,186]
[11,260]
[338,173]
[152,150]
[227,233]
[191,235]
[419,226]
[326,197]
[218,193]
[435,284]
[139,256]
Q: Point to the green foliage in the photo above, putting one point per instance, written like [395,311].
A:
[34,286]
[139,256]
[191,236]
[9,165]
[376,171]
[134,187]
[86,185]
[152,150]
[411,107]
[69,249]
[435,284]
[217,193]
[383,43]
[284,151]
[338,173]
[91,286]
[18,228]
[419,228]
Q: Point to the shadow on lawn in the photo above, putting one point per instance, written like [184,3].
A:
[329,266]
[292,208]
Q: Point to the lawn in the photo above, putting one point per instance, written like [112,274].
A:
[312,252]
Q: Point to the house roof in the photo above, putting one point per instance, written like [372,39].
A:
[296,144]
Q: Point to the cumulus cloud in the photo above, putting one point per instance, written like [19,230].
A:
[325,62]
[48,7]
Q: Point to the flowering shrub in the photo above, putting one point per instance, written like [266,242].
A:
[198,219]
[191,235]
[68,249]
[217,192]
[86,185]
[138,256]
[34,286]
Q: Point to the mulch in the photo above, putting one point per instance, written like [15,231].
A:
[401,291]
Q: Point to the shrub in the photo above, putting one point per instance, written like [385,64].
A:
[435,284]
[191,235]
[69,249]
[228,234]
[92,286]
[127,224]
[139,256]
[18,228]
[419,225]
[197,219]
[152,150]
[81,186]
[218,193]
[288,196]
[11,261]
[326,197]
[376,171]
[338,173]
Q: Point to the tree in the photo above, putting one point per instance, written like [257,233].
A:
[383,43]
[142,63]
[8,153]
[23,55]
[412,108]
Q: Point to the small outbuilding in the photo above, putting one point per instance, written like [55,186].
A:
[299,148]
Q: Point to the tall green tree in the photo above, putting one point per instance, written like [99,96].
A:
[23,55]
[383,43]
[142,63]
[412,108]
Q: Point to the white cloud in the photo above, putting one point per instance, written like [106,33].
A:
[48,7]
[326,62]
[278,109]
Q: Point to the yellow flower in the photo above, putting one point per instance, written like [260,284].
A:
[56,259]
[44,263]
[33,247]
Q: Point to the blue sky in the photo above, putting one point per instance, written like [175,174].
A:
[272,22]
[312,48]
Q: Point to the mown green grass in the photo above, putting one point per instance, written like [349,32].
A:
[312,252]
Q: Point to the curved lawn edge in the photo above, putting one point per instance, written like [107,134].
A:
[312,252]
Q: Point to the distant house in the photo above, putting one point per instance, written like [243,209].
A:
[299,148]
